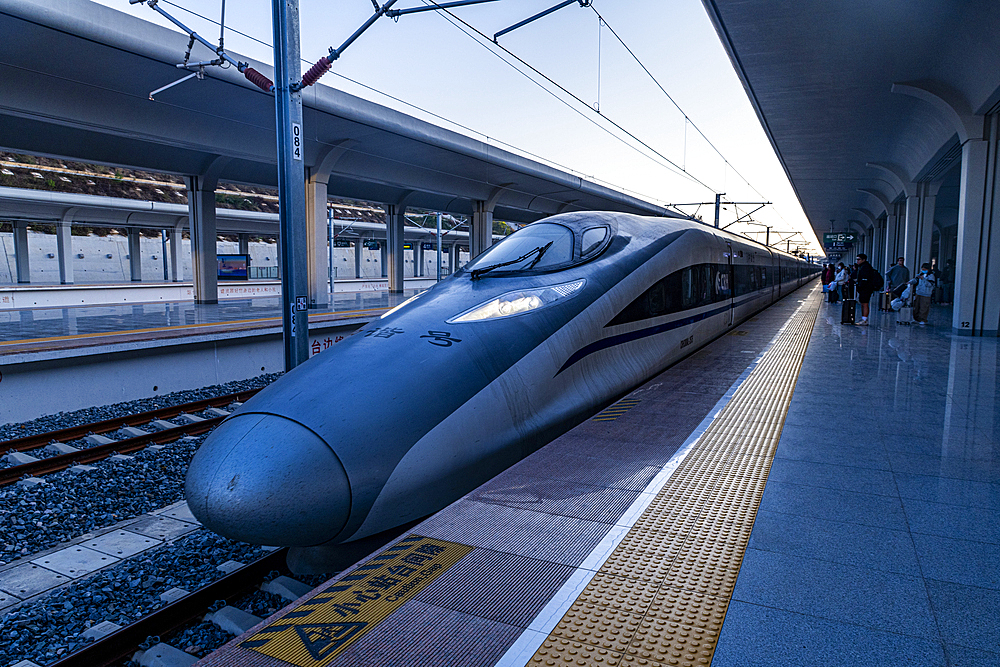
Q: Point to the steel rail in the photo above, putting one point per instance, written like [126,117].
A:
[98,452]
[29,442]
[124,642]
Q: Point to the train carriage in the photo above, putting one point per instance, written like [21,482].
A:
[452,387]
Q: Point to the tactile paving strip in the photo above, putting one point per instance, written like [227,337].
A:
[661,597]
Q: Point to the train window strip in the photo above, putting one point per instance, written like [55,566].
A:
[693,287]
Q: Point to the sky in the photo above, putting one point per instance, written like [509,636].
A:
[428,66]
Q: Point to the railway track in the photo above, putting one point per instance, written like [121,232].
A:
[145,633]
[168,433]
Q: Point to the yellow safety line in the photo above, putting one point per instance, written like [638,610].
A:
[661,597]
[174,328]
[617,410]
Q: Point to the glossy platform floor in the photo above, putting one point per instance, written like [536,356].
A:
[33,328]
[874,540]
[877,541]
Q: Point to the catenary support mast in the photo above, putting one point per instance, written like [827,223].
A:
[291,181]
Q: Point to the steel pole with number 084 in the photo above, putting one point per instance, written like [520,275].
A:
[291,182]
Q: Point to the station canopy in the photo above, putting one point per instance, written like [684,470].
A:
[841,86]
[76,78]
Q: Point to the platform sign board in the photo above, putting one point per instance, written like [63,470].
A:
[234,267]
[847,239]
[341,243]
[427,246]
[315,632]
[372,245]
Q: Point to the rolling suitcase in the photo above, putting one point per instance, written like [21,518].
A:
[884,301]
[905,314]
[847,311]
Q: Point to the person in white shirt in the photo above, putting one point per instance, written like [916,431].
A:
[924,284]
[841,279]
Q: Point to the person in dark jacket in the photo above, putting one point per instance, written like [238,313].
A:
[869,281]
[828,276]
[897,277]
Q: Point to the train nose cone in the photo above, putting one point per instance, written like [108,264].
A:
[265,479]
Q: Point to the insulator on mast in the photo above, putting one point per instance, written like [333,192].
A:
[321,67]
[258,79]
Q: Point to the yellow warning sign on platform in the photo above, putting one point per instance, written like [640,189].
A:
[314,633]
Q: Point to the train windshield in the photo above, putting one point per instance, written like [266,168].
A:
[537,247]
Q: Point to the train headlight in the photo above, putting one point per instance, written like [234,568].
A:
[521,301]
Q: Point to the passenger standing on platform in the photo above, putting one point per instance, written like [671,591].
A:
[841,279]
[828,275]
[897,276]
[924,284]
[948,282]
[869,282]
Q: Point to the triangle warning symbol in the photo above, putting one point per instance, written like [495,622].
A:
[322,640]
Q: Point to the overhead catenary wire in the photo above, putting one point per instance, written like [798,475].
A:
[486,42]
[265,84]
[264,81]
[687,119]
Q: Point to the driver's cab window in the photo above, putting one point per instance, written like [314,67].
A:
[537,246]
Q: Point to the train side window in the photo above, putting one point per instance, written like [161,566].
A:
[655,301]
[592,240]
[683,289]
[689,288]
[708,290]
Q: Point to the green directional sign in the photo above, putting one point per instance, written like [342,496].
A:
[839,237]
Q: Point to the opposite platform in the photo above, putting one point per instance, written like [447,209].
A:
[636,537]
[44,329]
[63,359]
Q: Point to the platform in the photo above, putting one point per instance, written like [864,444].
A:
[125,352]
[763,502]
[42,328]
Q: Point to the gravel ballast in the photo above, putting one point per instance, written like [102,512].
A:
[70,504]
[49,628]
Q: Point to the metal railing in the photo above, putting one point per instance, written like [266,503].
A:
[263,272]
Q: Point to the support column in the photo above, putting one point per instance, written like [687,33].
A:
[21,252]
[480,229]
[64,247]
[244,244]
[452,258]
[910,232]
[135,254]
[926,231]
[358,245]
[977,266]
[418,258]
[316,233]
[877,236]
[383,257]
[204,259]
[176,247]
[894,249]
[394,221]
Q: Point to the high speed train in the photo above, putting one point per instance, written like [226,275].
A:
[460,382]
